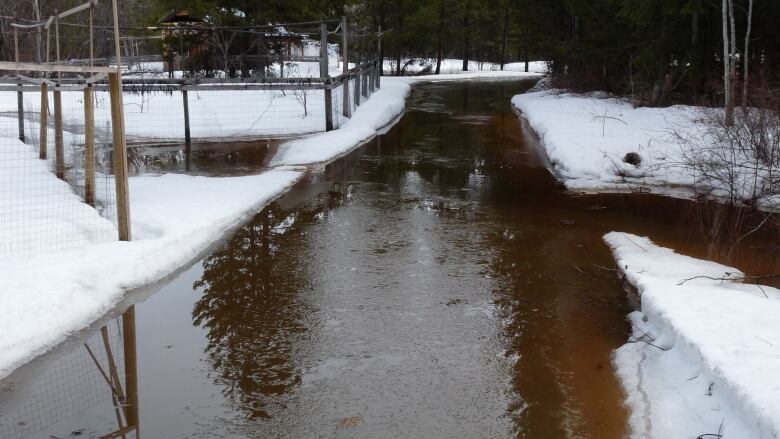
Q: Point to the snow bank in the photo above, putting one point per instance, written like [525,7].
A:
[384,107]
[455,66]
[482,75]
[174,218]
[587,138]
[714,360]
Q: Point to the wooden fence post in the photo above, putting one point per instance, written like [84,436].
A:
[364,83]
[44,122]
[346,105]
[131,367]
[89,146]
[185,99]
[59,152]
[324,77]
[120,156]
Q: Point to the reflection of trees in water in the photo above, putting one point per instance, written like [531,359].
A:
[466,135]
[252,304]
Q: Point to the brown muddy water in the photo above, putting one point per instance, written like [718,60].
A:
[437,282]
[201,158]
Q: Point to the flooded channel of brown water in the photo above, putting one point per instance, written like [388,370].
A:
[437,282]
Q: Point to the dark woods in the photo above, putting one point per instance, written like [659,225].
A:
[657,52]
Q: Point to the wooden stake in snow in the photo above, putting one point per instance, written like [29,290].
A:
[89,146]
[120,156]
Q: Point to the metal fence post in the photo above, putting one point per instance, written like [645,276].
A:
[346,107]
[371,78]
[120,156]
[44,122]
[324,77]
[20,111]
[357,89]
[186,101]
[59,153]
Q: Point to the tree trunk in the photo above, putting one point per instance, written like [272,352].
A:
[526,55]
[727,104]
[505,33]
[732,60]
[746,55]
[466,36]
[398,45]
[441,37]
[382,25]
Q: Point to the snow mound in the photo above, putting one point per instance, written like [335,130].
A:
[704,354]
[587,136]
[383,108]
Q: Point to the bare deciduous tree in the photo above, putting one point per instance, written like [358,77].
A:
[746,55]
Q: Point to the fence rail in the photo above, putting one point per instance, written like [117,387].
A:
[363,80]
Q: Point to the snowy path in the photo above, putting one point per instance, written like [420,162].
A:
[714,355]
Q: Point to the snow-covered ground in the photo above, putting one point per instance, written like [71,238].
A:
[704,356]
[455,66]
[234,114]
[384,107]
[587,137]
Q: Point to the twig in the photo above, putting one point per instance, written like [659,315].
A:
[632,241]
[733,279]
[770,344]
[608,269]
[758,227]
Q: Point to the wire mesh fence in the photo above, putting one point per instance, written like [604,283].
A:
[53,194]
[234,113]
[88,380]
[58,193]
